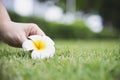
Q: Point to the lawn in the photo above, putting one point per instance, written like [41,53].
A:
[73,60]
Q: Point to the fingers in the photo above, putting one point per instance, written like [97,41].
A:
[16,33]
[29,29]
[35,30]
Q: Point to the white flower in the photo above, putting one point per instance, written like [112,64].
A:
[41,46]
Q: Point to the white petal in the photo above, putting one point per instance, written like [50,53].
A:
[35,37]
[35,55]
[28,45]
[45,38]
[48,40]
[48,52]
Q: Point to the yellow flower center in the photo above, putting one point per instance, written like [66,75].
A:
[39,44]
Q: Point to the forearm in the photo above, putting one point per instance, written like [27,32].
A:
[3,14]
[4,18]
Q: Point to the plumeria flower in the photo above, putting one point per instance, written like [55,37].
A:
[41,46]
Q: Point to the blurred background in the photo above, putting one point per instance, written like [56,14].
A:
[69,19]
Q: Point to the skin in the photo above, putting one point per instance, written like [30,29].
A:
[13,33]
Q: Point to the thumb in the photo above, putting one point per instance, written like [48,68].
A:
[22,38]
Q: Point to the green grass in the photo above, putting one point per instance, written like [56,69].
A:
[73,60]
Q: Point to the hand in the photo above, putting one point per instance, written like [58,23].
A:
[14,34]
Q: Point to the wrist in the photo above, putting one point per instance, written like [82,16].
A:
[4,27]
[3,22]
